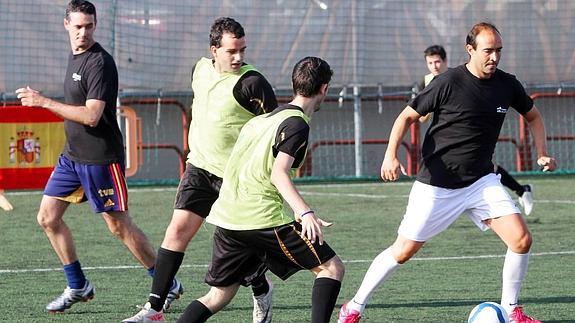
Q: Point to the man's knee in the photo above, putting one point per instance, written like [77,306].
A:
[218,297]
[119,223]
[48,220]
[403,250]
[182,228]
[523,244]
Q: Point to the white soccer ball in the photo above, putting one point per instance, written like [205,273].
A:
[488,312]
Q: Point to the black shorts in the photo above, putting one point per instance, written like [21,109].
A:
[198,190]
[242,256]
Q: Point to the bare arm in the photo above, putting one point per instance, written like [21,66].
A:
[391,166]
[537,128]
[88,115]
[426,117]
[280,177]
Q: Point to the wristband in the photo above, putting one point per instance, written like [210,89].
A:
[306,213]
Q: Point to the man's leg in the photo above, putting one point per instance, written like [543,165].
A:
[509,182]
[182,228]
[382,267]
[4,203]
[525,192]
[514,233]
[122,226]
[326,288]
[50,218]
[204,307]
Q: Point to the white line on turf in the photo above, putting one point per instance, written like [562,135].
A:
[368,196]
[534,254]
[303,192]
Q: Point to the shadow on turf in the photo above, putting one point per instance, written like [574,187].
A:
[541,300]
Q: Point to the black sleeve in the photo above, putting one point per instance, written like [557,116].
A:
[431,96]
[292,138]
[255,93]
[522,102]
[102,79]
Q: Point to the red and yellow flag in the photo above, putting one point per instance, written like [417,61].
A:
[31,139]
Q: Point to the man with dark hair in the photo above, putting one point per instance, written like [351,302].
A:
[436,61]
[469,103]
[253,229]
[227,93]
[92,164]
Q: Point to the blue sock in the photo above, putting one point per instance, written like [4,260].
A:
[152,271]
[75,275]
[173,284]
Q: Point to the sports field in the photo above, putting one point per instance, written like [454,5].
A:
[455,271]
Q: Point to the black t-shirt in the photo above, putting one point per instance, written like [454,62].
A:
[93,75]
[468,113]
[292,136]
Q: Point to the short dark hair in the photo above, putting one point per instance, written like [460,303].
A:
[435,50]
[309,74]
[471,38]
[224,25]
[85,7]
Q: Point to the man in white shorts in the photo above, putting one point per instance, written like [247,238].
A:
[469,102]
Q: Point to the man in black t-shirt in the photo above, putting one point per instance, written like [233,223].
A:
[469,103]
[436,61]
[91,167]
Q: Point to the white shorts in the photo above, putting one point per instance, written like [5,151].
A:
[432,209]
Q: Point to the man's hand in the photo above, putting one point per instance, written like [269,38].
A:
[30,97]
[547,163]
[390,168]
[311,227]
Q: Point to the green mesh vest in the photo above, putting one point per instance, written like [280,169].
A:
[248,200]
[217,117]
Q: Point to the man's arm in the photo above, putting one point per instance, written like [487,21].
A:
[280,177]
[88,115]
[537,127]
[255,93]
[391,166]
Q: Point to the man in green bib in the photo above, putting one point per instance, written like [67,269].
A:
[254,231]
[227,93]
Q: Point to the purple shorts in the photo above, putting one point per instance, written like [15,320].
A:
[104,186]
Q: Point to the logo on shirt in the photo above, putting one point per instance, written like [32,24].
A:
[501,110]
[76,77]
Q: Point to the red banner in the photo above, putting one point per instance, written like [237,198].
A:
[31,139]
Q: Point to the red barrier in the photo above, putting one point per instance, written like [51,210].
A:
[524,161]
[31,139]
[185,126]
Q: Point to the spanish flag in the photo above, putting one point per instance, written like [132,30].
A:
[31,139]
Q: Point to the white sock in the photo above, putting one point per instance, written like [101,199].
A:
[379,271]
[514,270]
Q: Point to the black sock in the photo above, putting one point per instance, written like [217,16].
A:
[167,264]
[323,298]
[260,286]
[196,312]
[509,181]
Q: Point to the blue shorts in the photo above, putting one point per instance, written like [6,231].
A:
[104,186]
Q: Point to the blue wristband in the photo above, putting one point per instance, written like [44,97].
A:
[306,213]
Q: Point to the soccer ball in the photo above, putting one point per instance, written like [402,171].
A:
[488,312]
